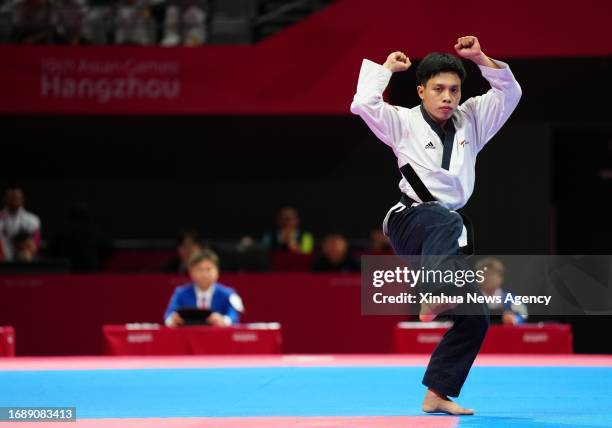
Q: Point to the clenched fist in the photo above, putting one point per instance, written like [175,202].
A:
[397,61]
[468,47]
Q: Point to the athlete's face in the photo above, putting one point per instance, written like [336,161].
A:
[440,96]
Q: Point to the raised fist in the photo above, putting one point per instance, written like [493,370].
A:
[397,61]
[468,47]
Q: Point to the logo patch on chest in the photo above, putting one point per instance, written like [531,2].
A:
[464,143]
[430,145]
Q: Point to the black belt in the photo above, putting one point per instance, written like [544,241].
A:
[425,195]
[469,249]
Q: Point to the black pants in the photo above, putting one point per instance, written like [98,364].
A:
[431,229]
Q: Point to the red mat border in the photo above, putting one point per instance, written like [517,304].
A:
[130,363]
[260,422]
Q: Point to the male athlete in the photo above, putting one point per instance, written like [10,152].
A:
[436,144]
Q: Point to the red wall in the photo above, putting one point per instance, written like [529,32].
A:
[64,314]
[310,68]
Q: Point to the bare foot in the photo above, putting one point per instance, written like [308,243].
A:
[429,311]
[437,403]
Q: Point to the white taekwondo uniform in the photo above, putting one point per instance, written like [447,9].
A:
[414,141]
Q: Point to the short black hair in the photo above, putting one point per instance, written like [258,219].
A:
[13,186]
[203,254]
[186,234]
[436,63]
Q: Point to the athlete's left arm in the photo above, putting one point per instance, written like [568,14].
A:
[491,110]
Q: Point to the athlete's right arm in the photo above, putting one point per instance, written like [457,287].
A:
[382,118]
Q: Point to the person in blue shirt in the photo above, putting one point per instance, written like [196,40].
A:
[505,312]
[204,292]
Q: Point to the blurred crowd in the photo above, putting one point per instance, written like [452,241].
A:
[98,22]
[79,246]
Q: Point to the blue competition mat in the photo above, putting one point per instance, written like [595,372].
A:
[538,397]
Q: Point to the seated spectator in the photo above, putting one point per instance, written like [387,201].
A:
[507,313]
[204,292]
[99,23]
[25,247]
[67,18]
[134,23]
[335,256]
[288,236]
[188,243]
[379,242]
[185,24]
[6,20]
[15,220]
[31,22]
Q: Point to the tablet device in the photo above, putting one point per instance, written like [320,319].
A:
[193,316]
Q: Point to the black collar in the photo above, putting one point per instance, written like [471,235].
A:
[447,137]
[450,126]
